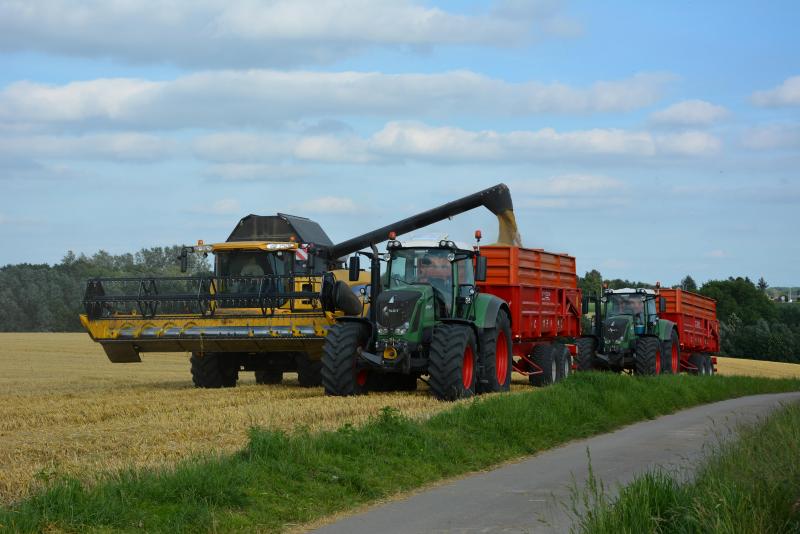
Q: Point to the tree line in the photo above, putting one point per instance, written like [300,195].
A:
[751,324]
[48,298]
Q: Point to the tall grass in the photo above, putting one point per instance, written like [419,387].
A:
[750,486]
[283,479]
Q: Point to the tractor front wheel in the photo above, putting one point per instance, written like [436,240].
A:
[647,359]
[452,364]
[212,370]
[587,349]
[340,374]
[544,356]
[496,356]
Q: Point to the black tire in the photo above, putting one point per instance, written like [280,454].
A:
[269,376]
[563,361]
[340,375]
[212,370]
[494,358]
[452,363]
[667,356]
[309,372]
[647,357]
[709,365]
[544,356]
[587,350]
[698,361]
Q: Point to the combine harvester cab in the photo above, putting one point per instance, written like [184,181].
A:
[261,309]
[650,332]
[459,315]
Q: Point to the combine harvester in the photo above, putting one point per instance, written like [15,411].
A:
[629,334]
[464,316]
[277,287]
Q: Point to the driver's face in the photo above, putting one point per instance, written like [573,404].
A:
[434,267]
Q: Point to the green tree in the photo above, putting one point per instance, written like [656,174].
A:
[688,284]
[762,284]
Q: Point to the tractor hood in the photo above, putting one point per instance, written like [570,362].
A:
[396,307]
[615,330]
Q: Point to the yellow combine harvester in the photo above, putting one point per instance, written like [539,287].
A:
[277,287]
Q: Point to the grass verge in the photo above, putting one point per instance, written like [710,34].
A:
[281,480]
[750,485]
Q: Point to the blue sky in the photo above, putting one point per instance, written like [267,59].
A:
[650,140]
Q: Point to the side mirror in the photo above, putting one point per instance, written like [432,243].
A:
[355,268]
[662,305]
[184,257]
[480,269]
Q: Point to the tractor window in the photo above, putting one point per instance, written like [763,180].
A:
[465,271]
[423,266]
[626,304]
[651,307]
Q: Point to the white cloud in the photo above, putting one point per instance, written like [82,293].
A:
[569,185]
[245,33]
[117,146]
[772,136]
[690,113]
[786,94]
[689,144]
[254,172]
[329,204]
[267,97]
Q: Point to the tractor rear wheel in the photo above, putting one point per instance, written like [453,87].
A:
[309,372]
[496,356]
[647,358]
[563,361]
[340,375]
[269,376]
[213,370]
[699,362]
[452,362]
[671,355]
[587,349]
[544,356]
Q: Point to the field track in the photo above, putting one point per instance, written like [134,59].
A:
[64,408]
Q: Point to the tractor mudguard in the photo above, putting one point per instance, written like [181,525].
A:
[351,319]
[486,309]
[665,329]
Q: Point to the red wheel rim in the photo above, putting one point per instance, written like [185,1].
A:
[674,358]
[658,362]
[361,377]
[467,367]
[501,359]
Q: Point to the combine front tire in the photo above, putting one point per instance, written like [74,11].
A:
[671,355]
[648,356]
[496,356]
[211,370]
[586,353]
[452,362]
[544,356]
[309,372]
[269,376]
[340,375]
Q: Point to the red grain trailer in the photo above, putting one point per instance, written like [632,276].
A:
[698,328]
[541,289]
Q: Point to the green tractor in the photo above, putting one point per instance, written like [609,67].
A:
[628,335]
[426,317]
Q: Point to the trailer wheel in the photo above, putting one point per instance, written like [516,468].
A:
[269,376]
[340,375]
[587,348]
[671,355]
[563,361]
[309,372]
[452,362]
[496,356]
[211,370]
[647,359]
[544,356]
[709,364]
[699,362]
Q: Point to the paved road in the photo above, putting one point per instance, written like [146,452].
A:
[526,496]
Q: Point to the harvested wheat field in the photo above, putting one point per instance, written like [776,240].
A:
[64,408]
[739,366]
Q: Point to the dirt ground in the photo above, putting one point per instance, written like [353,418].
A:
[64,408]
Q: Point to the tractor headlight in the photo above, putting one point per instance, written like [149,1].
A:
[402,329]
[382,330]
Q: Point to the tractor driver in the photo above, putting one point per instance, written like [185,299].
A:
[437,271]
